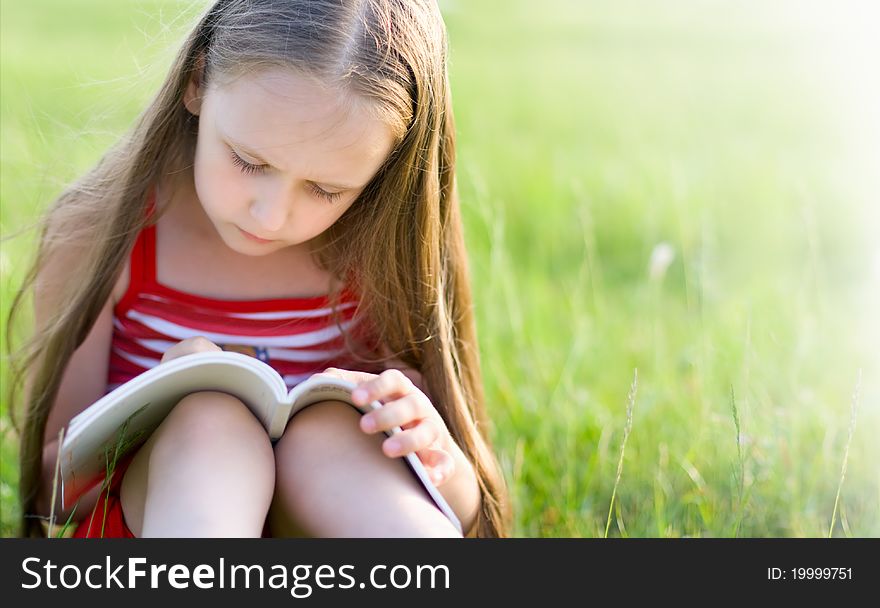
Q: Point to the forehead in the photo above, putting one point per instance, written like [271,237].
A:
[285,116]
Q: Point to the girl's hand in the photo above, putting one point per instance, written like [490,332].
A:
[406,406]
[196,344]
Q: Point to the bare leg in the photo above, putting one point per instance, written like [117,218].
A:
[332,480]
[207,471]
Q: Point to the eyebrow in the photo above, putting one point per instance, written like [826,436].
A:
[261,160]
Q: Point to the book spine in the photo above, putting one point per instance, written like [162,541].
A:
[280,416]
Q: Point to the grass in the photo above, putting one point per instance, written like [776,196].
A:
[739,136]
[852,426]
[630,405]
[120,445]
[741,471]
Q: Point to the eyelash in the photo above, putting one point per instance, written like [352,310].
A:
[330,197]
[246,167]
[251,169]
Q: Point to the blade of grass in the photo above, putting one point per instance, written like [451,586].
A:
[64,528]
[742,466]
[55,483]
[631,401]
[854,407]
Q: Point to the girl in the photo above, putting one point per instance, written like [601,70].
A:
[289,193]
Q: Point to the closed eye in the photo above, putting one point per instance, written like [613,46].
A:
[329,196]
[246,167]
[252,169]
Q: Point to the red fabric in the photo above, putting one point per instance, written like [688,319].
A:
[114,525]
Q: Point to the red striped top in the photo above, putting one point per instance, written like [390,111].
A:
[296,336]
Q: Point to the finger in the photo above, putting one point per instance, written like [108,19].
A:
[350,375]
[196,344]
[408,410]
[200,344]
[421,436]
[439,463]
[390,384]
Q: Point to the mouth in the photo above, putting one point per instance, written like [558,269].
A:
[254,237]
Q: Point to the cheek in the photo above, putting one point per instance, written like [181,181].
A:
[319,216]
[218,184]
[306,222]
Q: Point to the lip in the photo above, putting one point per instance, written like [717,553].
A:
[255,238]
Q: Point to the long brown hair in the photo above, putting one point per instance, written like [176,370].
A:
[410,273]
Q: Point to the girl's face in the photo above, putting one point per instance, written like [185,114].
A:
[279,159]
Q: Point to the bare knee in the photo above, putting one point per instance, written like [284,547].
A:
[328,429]
[210,422]
[210,439]
[327,469]
[318,421]
[312,435]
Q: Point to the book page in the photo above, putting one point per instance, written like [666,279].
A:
[141,404]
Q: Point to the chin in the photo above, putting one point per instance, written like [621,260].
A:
[256,249]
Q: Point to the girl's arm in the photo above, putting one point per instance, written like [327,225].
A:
[462,491]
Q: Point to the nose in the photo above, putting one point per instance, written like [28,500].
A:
[270,212]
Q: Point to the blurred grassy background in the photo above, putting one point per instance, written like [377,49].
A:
[737,144]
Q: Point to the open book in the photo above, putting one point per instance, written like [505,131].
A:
[130,413]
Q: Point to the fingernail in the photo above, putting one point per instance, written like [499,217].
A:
[392,446]
[359,395]
[369,424]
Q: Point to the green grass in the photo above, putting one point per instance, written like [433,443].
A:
[745,137]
